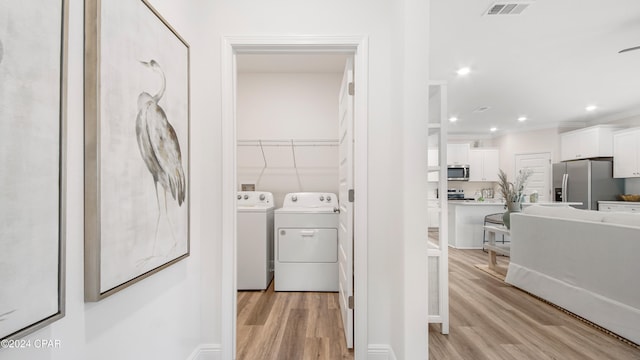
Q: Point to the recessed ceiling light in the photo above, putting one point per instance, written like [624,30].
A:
[463,71]
[591,108]
[522,118]
[453,119]
[493,129]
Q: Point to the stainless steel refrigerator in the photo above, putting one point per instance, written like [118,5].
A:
[586,181]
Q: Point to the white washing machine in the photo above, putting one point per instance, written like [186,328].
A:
[255,240]
[306,246]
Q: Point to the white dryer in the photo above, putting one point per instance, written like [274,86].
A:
[306,242]
[255,240]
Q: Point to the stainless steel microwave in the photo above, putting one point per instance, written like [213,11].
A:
[458,172]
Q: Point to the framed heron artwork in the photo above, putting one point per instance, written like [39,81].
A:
[136,145]
[32,140]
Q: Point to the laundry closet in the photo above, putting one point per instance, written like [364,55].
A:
[287,122]
[287,126]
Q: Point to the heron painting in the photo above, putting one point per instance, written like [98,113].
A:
[137,152]
[159,145]
[157,141]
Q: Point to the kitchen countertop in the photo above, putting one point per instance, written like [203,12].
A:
[466,220]
[619,202]
[500,203]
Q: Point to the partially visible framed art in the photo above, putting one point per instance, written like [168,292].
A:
[33,43]
[136,145]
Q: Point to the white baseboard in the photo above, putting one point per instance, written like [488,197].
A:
[380,352]
[206,352]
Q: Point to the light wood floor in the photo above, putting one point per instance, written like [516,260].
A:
[489,320]
[290,326]
[492,320]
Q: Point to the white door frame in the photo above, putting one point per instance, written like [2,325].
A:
[231,46]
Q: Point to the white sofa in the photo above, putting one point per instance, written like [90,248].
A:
[587,262]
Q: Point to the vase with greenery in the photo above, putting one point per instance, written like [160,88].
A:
[513,193]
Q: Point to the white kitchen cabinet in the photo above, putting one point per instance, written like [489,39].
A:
[569,146]
[591,142]
[484,164]
[458,154]
[626,153]
[618,206]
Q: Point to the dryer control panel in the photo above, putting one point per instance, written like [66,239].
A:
[310,200]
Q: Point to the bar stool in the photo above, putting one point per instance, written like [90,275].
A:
[492,219]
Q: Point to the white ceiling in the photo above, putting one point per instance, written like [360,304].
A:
[547,63]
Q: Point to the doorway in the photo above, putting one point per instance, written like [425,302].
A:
[540,180]
[232,47]
[287,126]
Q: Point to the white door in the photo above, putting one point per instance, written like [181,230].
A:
[540,180]
[345,230]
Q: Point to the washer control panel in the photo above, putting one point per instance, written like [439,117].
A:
[255,198]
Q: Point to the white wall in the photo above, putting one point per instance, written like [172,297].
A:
[388,242]
[168,314]
[412,64]
[160,317]
[632,186]
[288,106]
[536,141]
[547,140]
[509,144]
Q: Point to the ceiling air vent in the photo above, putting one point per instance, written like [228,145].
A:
[481,109]
[508,8]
